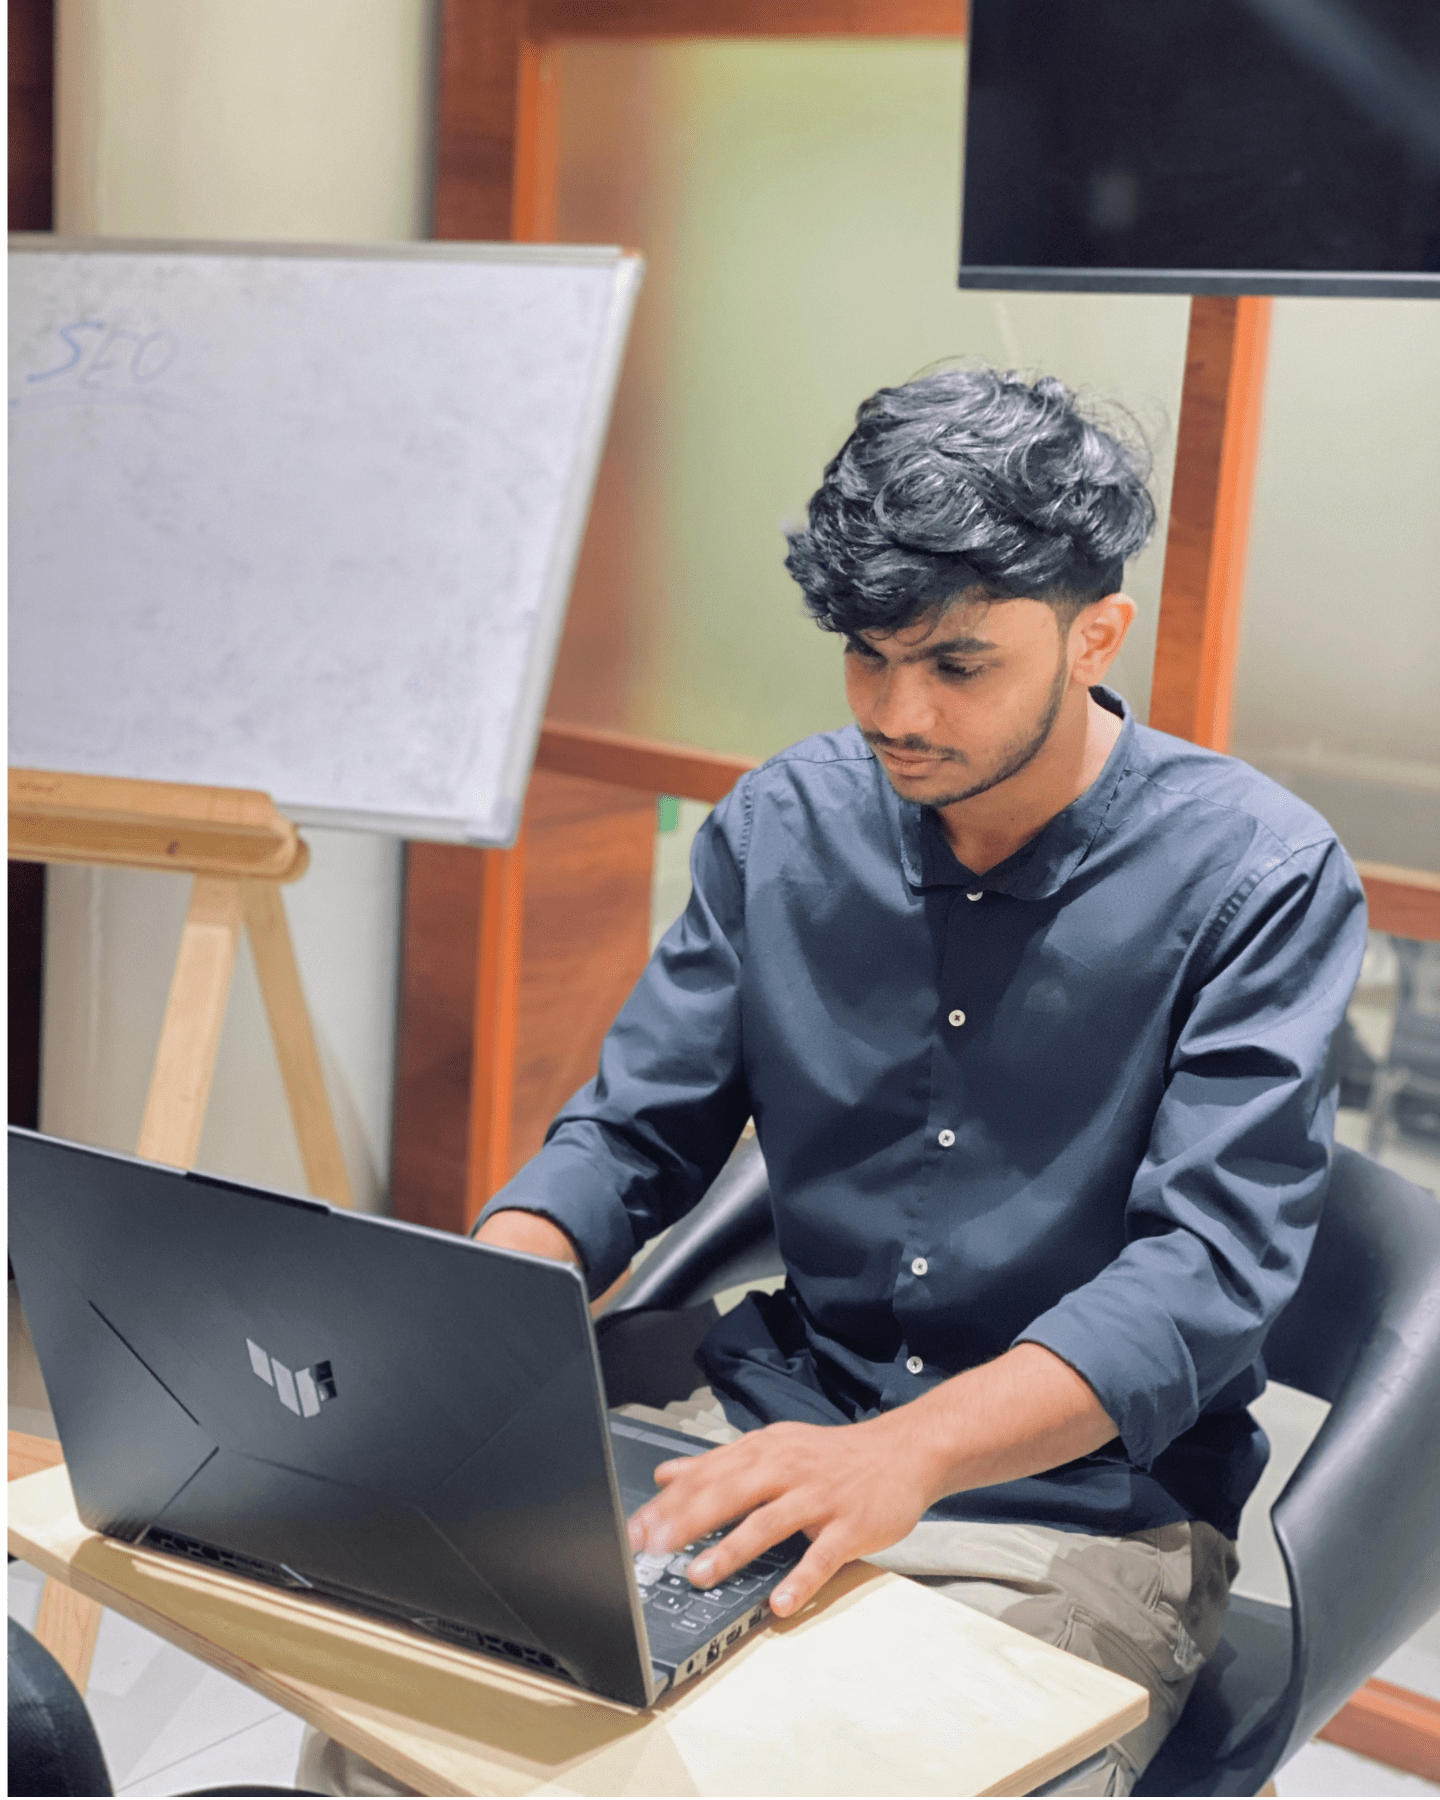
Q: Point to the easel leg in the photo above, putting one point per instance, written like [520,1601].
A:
[67,1626]
[295,1042]
[194,1014]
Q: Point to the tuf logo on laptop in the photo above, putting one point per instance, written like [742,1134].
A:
[301,1391]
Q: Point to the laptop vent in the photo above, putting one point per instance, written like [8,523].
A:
[157,1538]
[471,1639]
[277,1575]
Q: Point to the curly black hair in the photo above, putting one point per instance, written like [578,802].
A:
[968,479]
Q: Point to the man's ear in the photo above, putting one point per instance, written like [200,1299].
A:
[1096,636]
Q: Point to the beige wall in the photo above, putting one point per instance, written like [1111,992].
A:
[263,119]
[270,119]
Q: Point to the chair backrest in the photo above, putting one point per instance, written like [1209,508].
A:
[1356,1523]
[53,1746]
[728,1238]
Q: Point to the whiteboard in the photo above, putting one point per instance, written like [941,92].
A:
[303,519]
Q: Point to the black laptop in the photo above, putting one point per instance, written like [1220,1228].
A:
[395,1418]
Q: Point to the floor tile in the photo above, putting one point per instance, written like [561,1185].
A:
[265,1753]
[26,1585]
[1416,1665]
[1322,1769]
[169,1707]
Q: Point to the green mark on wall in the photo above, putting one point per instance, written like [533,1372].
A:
[669,810]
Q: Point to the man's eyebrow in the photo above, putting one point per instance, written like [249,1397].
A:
[956,646]
[965,645]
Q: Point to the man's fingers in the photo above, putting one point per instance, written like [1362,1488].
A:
[764,1528]
[695,1501]
[824,1558]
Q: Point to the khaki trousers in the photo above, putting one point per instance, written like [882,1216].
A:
[1149,1605]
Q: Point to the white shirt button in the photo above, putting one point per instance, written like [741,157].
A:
[979,894]
[947,1138]
[914,1365]
[919,1266]
[957,1017]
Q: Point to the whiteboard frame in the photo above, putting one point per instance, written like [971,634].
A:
[553,605]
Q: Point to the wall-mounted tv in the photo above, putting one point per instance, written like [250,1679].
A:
[1203,146]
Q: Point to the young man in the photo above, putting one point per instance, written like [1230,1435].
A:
[1031,1007]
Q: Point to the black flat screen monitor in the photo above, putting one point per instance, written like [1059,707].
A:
[1203,146]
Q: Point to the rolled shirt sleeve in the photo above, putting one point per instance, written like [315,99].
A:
[637,1147]
[1223,1209]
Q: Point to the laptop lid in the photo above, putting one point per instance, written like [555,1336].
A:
[393,1416]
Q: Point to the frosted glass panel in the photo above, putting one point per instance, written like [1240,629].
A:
[798,201]
[1338,692]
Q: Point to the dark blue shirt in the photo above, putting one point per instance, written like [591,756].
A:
[1080,1101]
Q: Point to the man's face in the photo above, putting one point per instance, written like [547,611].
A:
[961,700]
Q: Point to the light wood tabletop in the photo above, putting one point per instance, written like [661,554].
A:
[880,1687]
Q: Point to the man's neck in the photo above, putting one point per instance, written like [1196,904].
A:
[985,830]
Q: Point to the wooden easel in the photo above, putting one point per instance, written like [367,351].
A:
[239,850]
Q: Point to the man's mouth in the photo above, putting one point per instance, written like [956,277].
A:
[910,762]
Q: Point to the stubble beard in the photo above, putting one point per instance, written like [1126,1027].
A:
[1015,756]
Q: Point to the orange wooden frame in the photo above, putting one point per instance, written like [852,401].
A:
[625,761]
[1404,902]
[613,19]
[1205,551]
[1392,1725]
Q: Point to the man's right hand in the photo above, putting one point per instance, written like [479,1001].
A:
[527,1231]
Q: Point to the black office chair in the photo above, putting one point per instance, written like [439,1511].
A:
[1355,1524]
[53,1748]
[651,1329]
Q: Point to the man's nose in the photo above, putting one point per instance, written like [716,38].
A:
[902,707]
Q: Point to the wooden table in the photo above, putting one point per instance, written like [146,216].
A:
[880,1687]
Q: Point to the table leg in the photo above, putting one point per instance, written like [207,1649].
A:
[67,1626]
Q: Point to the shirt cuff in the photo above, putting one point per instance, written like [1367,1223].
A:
[563,1185]
[1105,1343]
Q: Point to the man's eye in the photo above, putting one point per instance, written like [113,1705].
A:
[957,671]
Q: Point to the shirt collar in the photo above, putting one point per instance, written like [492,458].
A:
[1040,868]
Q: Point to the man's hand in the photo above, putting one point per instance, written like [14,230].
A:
[856,1489]
[851,1488]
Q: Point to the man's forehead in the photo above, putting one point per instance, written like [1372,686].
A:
[971,623]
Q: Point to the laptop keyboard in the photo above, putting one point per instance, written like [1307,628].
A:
[668,1592]
[688,1627]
